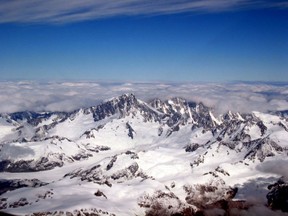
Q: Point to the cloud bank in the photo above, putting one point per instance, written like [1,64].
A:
[63,11]
[68,96]
[278,167]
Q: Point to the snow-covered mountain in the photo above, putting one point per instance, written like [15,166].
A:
[130,157]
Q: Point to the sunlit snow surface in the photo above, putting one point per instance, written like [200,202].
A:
[160,157]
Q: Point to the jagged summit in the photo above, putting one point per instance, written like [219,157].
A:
[126,96]
[123,105]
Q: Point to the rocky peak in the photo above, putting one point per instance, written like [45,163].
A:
[181,111]
[156,103]
[128,99]
[230,116]
[123,105]
[172,105]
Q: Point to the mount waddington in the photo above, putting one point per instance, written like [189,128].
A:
[130,157]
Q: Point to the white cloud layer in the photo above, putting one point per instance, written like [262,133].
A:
[61,11]
[68,96]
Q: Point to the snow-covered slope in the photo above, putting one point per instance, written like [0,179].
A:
[126,157]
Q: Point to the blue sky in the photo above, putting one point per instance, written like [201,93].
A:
[214,41]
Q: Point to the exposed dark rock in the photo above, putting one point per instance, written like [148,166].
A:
[9,185]
[129,152]
[133,168]
[130,130]
[96,148]
[19,203]
[47,194]
[261,148]
[198,161]
[133,154]
[18,166]
[127,173]
[166,204]
[220,170]
[262,127]
[88,134]
[230,145]
[110,164]
[192,147]
[48,162]
[202,195]
[94,174]
[100,193]
[172,185]
[277,198]
[169,132]
[76,212]
[79,157]
[160,131]
[283,126]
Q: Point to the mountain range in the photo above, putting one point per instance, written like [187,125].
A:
[130,157]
